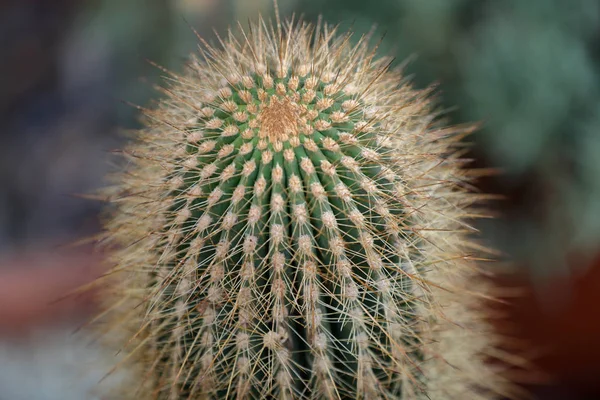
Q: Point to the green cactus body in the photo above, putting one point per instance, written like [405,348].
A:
[286,219]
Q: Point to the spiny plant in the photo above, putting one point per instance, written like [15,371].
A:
[291,225]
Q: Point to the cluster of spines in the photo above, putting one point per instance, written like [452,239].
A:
[282,255]
[312,201]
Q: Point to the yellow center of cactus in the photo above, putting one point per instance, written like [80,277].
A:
[279,120]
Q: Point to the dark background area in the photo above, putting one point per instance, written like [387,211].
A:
[528,71]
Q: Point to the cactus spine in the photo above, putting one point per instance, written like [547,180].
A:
[290,225]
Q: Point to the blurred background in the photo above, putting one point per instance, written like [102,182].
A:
[528,71]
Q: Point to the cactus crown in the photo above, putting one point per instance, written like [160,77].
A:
[287,216]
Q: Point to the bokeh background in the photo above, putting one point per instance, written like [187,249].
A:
[527,71]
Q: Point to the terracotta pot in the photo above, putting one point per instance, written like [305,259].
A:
[560,321]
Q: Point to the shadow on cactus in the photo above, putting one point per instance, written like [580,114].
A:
[291,226]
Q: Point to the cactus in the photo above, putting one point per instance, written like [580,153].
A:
[291,226]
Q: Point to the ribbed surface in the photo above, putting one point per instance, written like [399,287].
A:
[288,216]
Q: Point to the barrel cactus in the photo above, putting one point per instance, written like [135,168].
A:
[290,225]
